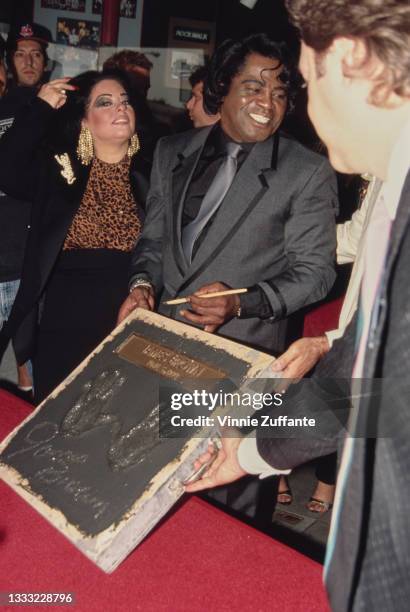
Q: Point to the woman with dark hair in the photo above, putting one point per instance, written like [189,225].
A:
[74,154]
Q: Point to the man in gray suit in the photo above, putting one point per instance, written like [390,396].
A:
[356,63]
[238,205]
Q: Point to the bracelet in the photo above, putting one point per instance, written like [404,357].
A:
[141,282]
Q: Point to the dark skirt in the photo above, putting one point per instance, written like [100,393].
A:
[80,308]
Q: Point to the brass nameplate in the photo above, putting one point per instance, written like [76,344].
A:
[168,363]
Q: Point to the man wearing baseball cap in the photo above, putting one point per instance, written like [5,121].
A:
[26,54]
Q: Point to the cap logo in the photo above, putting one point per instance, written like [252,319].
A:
[26,31]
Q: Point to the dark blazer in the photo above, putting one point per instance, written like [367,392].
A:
[370,560]
[29,171]
[275,227]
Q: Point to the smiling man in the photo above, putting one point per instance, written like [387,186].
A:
[238,204]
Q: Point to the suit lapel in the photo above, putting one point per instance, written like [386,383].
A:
[181,177]
[60,218]
[400,226]
[367,418]
[250,184]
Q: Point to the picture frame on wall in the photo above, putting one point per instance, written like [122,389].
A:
[182,63]
[78,33]
[128,8]
[64,5]
[97,7]
[190,44]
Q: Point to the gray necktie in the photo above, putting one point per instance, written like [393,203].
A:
[212,200]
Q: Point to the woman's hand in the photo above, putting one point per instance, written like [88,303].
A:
[55,92]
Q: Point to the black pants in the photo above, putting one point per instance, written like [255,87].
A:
[80,309]
[326,469]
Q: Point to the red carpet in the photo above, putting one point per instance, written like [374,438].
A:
[198,559]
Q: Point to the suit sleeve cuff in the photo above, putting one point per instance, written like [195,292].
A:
[333,335]
[275,298]
[254,303]
[251,462]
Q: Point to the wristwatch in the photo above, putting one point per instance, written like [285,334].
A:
[141,282]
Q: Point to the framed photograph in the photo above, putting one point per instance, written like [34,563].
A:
[64,5]
[97,7]
[78,33]
[190,43]
[128,8]
[184,62]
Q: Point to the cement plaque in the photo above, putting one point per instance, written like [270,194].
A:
[92,458]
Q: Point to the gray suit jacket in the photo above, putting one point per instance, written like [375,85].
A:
[370,564]
[275,227]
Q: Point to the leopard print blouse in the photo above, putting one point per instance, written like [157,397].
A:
[107,217]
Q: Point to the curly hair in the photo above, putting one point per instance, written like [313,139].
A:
[229,59]
[382,25]
[197,76]
[126,58]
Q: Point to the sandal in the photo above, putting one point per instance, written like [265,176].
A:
[323,505]
[286,495]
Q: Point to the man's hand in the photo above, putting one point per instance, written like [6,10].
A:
[140,297]
[211,312]
[225,468]
[301,357]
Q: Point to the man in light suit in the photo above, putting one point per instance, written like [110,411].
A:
[270,228]
[355,61]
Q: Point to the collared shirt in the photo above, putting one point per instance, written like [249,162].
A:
[350,249]
[378,233]
[254,303]
[211,158]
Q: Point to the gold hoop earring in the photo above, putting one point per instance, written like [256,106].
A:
[134,146]
[85,147]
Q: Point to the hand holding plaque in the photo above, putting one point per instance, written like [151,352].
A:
[223,470]
[140,297]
